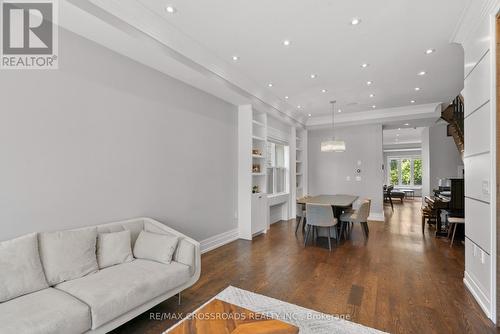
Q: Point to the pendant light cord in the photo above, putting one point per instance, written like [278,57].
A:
[333,116]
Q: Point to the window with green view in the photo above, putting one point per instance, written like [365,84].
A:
[405,171]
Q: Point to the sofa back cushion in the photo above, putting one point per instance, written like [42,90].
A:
[135,226]
[113,248]
[20,269]
[155,247]
[67,255]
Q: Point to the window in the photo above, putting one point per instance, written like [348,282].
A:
[277,171]
[405,171]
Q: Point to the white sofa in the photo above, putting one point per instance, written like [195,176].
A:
[101,301]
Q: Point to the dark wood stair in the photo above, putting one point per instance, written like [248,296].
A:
[454,115]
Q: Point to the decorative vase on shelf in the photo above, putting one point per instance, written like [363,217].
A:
[255,189]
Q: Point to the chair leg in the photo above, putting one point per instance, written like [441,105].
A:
[329,240]
[453,237]
[298,224]
[342,224]
[450,227]
[423,224]
[365,233]
[308,227]
[392,205]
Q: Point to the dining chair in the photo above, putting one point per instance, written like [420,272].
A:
[357,216]
[388,195]
[320,215]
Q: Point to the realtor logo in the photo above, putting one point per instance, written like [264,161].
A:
[29,34]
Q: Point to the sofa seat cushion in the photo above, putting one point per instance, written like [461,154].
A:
[48,311]
[116,290]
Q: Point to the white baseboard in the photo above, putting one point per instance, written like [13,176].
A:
[376,216]
[478,294]
[218,240]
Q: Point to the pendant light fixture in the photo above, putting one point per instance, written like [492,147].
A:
[331,144]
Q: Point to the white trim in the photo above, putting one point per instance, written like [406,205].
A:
[472,16]
[218,240]
[376,216]
[493,166]
[478,294]
[402,150]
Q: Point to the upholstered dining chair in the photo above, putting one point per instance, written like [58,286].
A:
[320,215]
[357,216]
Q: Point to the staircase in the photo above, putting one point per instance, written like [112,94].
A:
[454,115]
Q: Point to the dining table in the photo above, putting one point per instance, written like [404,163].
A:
[336,201]
[339,203]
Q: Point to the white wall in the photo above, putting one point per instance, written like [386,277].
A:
[328,172]
[477,37]
[444,157]
[104,138]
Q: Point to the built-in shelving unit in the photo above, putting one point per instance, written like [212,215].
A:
[259,144]
[252,197]
[299,165]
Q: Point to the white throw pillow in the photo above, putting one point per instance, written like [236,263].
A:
[155,247]
[21,271]
[113,248]
[67,255]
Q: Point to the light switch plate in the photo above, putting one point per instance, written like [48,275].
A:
[486,187]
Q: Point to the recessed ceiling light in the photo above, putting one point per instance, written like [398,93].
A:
[421,73]
[286,97]
[299,106]
[412,101]
[429,51]
[236,58]
[369,83]
[340,110]
[323,91]
[313,76]
[286,42]
[397,134]
[399,129]
[406,124]
[417,88]
[170,9]
[372,95]
[270,84]
[355,21]
[365,65]
[374,106]
[309,115]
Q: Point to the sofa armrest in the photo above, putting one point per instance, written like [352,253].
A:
[188,250]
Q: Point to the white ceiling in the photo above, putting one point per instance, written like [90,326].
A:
[403,135]
[392,38]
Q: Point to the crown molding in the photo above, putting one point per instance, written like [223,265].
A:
[380,116]
[473,14]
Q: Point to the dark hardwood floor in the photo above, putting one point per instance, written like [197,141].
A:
[398,281]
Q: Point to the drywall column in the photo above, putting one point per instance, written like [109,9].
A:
[477,35]
[244,168]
